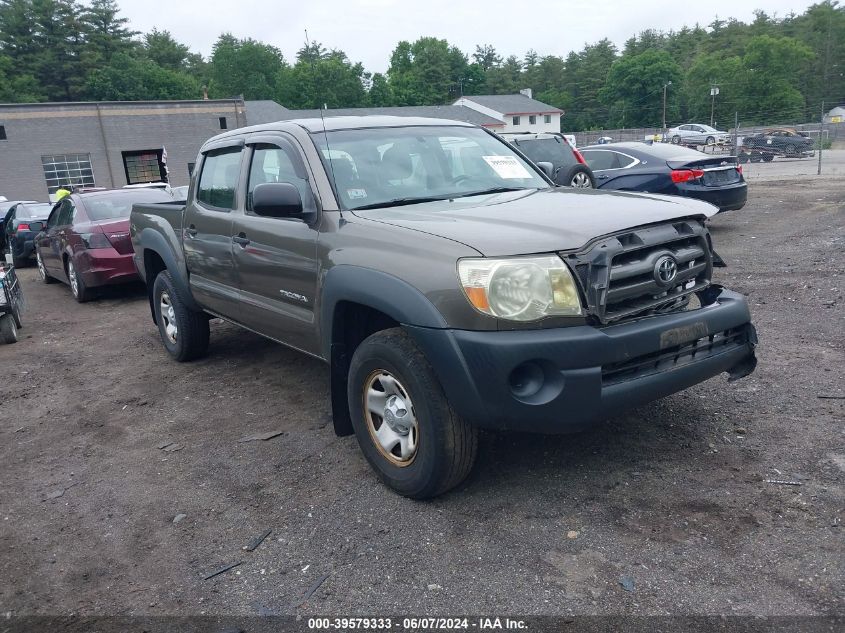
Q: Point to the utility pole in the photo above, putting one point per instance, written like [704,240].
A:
[736,134]
[666,85]
[821,141]
[714,90]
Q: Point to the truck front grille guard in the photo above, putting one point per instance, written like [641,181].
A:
[619,274]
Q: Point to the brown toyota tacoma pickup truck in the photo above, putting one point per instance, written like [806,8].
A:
[446,281]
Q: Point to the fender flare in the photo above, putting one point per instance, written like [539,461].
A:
[378,290]
[152,240]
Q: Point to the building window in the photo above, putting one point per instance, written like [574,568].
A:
[547,118]
[143,166]
[516,120]
[532,120]
[223,124]
[73,169]
[2,132]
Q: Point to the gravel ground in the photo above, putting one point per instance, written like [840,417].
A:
[671,498]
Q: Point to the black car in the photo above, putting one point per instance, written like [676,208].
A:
[780,140]
[569,168]
[668,169]
[18,238]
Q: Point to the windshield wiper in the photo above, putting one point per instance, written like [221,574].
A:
[398,202]
[493,190]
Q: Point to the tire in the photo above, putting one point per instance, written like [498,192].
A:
[743,157]
[710,140]
[78,289]
[43,275]
[580,177]
[790,150]
[756,157]
[676,140]
[768,158]
[184,332]
[8,329]
[446,445]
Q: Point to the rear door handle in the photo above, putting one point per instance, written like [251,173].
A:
[241,239]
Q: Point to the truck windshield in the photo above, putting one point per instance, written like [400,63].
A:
[381,167]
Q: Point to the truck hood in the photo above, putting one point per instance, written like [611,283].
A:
[537,221]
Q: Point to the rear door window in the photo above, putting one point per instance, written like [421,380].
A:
[601,159]
[219,179]
[548,150]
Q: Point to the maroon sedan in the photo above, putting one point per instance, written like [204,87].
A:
[86,240]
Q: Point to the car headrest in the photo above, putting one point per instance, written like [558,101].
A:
[396,164]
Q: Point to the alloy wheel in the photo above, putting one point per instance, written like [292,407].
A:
[71,275]
[581,181]
[390,418]
[168,315]
[42,272]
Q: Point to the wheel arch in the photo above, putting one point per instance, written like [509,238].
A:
[357,302]
[157,255]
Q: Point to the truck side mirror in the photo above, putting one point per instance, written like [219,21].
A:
[277,200]
[547,168]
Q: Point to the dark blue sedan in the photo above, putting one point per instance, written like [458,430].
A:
[18,235]
[668,169]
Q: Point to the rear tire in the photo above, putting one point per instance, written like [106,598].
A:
[790,150]
[711,140]
[580,177]
[8,329]
[78,289]
[42,271]
[768,158]
[184,332]
[419,457]
[676,139]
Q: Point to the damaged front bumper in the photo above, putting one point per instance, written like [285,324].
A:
[565,379]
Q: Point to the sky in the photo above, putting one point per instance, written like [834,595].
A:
[368,30]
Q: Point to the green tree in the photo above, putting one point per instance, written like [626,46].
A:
[585,75]
[380,94]
[427,72]
[322,78]
[105,33]
[244,67]
[486,57]
[506,78]
[635,86]
[17,88]
[130,78]
[160,47]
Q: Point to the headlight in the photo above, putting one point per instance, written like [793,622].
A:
[520,288]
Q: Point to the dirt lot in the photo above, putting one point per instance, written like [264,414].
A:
[672,496]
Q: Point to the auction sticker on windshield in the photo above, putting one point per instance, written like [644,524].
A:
[507,166]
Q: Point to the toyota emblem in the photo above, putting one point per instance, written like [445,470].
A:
[665,270]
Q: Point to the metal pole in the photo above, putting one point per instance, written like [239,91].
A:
[736,134]
[664,110]
[821,143]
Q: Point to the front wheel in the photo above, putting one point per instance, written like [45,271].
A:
[183,331]
[8,329]
[676,139]
[711,140]
[43,275]
[404,424]
[790,150]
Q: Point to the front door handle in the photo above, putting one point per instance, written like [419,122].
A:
[602,176]
[241,239]
[191,231]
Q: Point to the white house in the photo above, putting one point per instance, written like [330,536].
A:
[519,113]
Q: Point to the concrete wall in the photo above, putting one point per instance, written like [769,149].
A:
[104,131]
